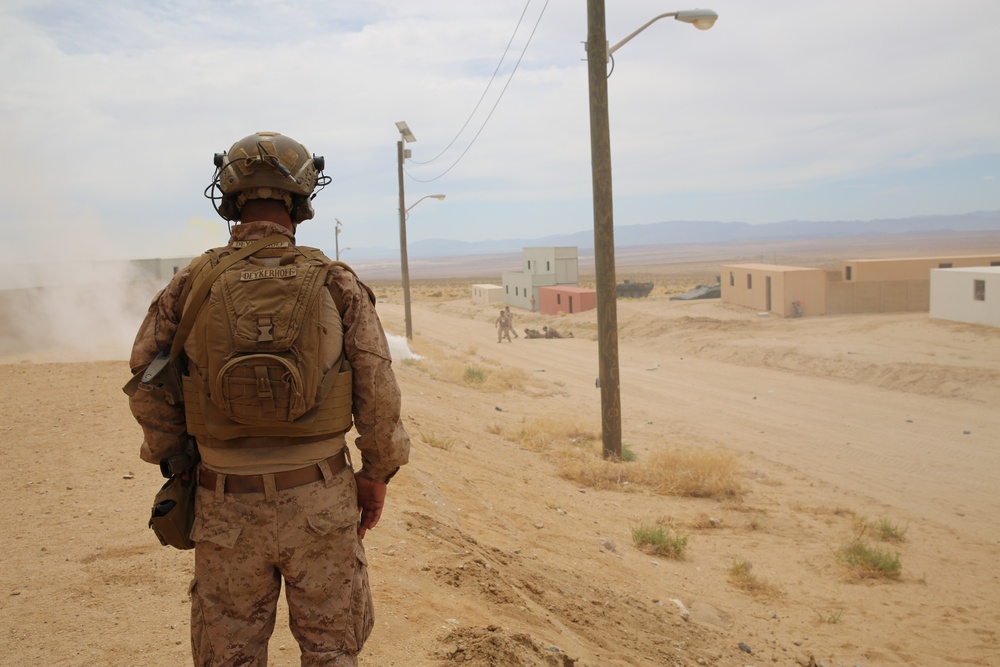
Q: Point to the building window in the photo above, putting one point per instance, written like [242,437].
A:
[506,289]
[847,273]
[529,265]
[994,263]
[548,266]
[558,299]
[732,279]
[944,265]
[979,290]
[749,281]
[516,293]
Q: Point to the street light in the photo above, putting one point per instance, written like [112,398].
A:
[604,228]
[438,197]
[703,19]
[405,135]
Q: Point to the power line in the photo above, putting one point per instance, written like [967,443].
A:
[495,104]
[486,90]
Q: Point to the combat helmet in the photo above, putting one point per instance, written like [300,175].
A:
[266,165]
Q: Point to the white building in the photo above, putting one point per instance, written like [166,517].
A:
[969,295]
[487,294]
[543,267]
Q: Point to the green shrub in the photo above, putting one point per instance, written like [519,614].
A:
[869,562]
[656,540]
[474,375]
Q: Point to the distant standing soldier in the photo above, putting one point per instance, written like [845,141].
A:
[503,327]
[510,321]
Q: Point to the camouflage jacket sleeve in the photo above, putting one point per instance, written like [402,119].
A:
[382,440]
[163,425]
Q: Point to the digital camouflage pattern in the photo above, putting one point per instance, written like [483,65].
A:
[308,535]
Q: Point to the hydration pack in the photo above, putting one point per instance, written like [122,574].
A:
[255,372]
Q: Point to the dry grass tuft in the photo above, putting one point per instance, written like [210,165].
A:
[547,433]
[695,473]
[740,575]
[438,442]
[692,473]
[882,529]
[487,377]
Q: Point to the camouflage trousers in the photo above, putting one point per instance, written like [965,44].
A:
[246,543]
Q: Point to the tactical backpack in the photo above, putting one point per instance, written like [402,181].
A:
[255,374]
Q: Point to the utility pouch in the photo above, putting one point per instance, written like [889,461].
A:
[173,507]
[161,374]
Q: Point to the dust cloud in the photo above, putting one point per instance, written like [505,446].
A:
[400,349]
[68,312]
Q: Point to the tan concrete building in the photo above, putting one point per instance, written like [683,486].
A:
[776,289]
[909,268]
[892,285]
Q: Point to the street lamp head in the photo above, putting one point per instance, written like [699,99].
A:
[436,196]
[404,130]
[702,19]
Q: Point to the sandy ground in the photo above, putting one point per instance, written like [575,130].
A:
[486,555]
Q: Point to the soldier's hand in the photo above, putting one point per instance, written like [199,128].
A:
[371,500]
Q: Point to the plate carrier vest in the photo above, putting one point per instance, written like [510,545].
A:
[254,375]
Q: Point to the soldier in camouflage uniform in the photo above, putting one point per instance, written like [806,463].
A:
[298,511]
[552,333]
[503,327]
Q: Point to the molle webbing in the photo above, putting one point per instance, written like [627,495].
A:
[330,417]
[255,356]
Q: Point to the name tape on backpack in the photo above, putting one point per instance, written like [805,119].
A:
[276,272]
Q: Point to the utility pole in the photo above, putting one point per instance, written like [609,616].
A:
[604,232]
[403,260]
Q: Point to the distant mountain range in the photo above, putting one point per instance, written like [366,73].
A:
[686,232]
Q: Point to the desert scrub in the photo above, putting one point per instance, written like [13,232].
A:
[740,575]
[695,473]
[537,435]
[473,375]
[484,377]
[658,541]
[882,529]
[437,442]
[831,618]
[870,562]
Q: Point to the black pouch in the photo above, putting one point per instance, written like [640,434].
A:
[173,512]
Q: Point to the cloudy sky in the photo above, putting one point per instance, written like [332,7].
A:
[111,111]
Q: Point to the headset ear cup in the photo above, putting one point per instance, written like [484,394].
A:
[302,209]
[227,209]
